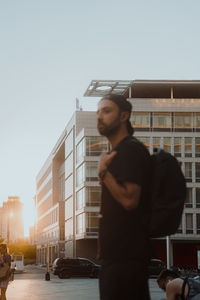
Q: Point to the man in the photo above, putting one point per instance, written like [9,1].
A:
[125,177]
[178,288]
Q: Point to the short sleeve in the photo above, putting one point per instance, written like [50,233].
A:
[131,166]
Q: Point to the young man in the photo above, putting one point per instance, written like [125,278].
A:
[170,282]
[125,176]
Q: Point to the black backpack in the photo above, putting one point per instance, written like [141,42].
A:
[169,194]
[194,289]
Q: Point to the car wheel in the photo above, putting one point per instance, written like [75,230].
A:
[94,274]
[63,274]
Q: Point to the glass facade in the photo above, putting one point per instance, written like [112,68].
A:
[80,220]
[96,145]
[183,121]
[93,196]
[188,201]
[91,146]
[198,223]
[188,171]
[188,147]
[197,146]
[177,146]
[197,171]
[140,120]
[156,142]
[189,223]
[198,197]
[167,144]
[92,223]
[162,121]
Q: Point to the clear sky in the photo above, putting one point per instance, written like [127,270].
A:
[50,50]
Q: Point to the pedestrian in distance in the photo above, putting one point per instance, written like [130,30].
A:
[5,262]
[178,288]
[125,177]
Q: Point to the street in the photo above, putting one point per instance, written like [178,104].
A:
[31,285]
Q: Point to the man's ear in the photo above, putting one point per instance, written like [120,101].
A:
[125,115]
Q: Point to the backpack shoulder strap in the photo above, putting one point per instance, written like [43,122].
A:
[183,289]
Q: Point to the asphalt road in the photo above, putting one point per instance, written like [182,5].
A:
[31,285]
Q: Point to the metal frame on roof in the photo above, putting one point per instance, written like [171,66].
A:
[99,88]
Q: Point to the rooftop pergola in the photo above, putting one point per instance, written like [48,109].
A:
[145,88]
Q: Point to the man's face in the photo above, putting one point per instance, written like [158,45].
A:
[108,118]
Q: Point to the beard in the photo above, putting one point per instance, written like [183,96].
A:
[109,130]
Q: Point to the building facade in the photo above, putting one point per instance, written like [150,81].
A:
[165,114]
[11,221]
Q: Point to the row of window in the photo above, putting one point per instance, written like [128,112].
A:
[166,121]
[85,223]
[48,220]
[89,223]
[88,172]
[179,146]
[193,194]
[185,147]
[192,224]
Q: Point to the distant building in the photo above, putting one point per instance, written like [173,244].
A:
[11,221]
[32,236]
[165,114]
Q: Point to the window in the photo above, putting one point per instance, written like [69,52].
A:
[68,208]
[69,144]
[69,165]
[93,196]
[197,147]
[92,223]
[162,121]
[80,223]
[189,223]
[177,146]
[68,186]
[80,175]
[80,199]
[156,142]
[144,140]
[183,121]
[68,229]
[96,145]
[188,171]
[80,150]
[198,197]
[91,171]
[167,144]
[197,171]
[188,202]
[198,223]
[197,121]
[140,120]
[188,147]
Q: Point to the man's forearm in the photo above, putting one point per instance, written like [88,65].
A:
[120,193]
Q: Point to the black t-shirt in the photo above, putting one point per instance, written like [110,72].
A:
[122,233]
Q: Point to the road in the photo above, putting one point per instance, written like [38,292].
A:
[31,285]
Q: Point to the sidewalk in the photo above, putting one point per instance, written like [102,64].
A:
[31,285]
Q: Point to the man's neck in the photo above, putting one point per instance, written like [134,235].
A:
[116,139]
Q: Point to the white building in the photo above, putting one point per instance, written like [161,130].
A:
[165,113]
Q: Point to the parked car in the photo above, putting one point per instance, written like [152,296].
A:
[156,266]
[67,267]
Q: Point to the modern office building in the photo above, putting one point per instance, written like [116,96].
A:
[165,114]
[11,221]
